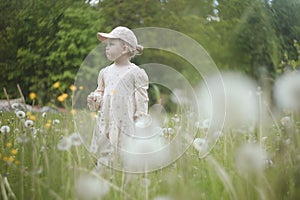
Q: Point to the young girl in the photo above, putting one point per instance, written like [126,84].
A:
[121,96]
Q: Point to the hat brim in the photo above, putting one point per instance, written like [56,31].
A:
[104,36]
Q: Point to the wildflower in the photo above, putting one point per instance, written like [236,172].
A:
[251,158]
[47,125]
[44,114]
[20,114]
[75,139]
[60,98]
[80,87]
[28,123]
[10,159]
[32,117]
[64,95]
[200,145]
[286,121]
[14,151]
[32,95]
[55,121]
[72,87]
[15,106]
[23,139]
[5,129]
[287,91]
[73,112]
[56,85]
[229,100]
[8,145]
[90,187]
[65,144]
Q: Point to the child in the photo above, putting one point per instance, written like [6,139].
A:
[121,96]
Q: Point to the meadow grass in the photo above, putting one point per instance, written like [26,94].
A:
[33,166]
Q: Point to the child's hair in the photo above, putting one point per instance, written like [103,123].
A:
[134,51]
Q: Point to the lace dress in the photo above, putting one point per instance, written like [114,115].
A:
[122,98]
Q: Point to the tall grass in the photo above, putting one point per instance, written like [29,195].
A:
[33,166]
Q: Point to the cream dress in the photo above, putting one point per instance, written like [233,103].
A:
[122,98]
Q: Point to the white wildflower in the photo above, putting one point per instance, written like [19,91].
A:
[56,121]
[88,187]
[65,144]
[250,158]
[232,102]
[44,115]
[5,129]
[22,139]
[287,91]
[286,121]
[15,106]
[76,139]
[28,123]
[201,145]
[20,114]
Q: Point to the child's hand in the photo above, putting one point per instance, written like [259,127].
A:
[93,101]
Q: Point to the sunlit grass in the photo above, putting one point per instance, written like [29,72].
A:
[33,166]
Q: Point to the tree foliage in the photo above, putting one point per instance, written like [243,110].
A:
[43,42]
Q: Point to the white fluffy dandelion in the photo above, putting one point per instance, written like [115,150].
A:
[236,100]
[55,121]
[76,139]
[5,129]
[88,187]
[28,123]
[251,158]
[201,145]
[20,114]
[65,144]
[287,91]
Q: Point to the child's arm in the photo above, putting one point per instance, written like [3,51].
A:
[141,95]
[94,99]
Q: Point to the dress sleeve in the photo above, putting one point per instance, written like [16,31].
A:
[141,96]
[98,92]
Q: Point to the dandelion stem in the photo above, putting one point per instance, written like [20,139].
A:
[3,191]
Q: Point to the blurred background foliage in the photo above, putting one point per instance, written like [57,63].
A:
[46,41]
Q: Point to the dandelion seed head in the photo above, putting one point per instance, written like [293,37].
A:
[20,114]
[5,129]
[76,139]
[65,144]
[287,91]
[44,115]
[240,101]
[251,158]
[88,187]
[22,139]
[55,121]
[28,123]
[201,145]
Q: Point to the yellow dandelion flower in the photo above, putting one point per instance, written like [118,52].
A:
[73,111]
[32,117]
[8,144]
[60,98]
[11,159]
[32,95]
[56,85]
[14,151]
[80,87]
[64,95]
[5,158]
[92,115]
[48,125]
[73,87]
[28,113]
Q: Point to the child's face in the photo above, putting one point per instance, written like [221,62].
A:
[114,49]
